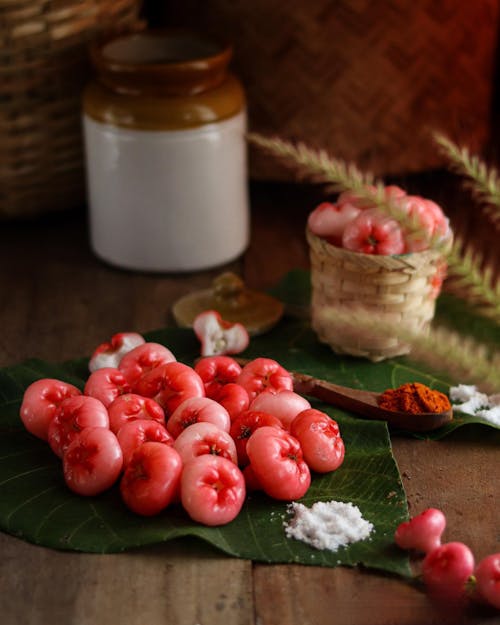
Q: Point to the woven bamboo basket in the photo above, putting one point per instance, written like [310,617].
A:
[397,292]
[43,68]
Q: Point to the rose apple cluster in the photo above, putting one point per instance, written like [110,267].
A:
[355,225]
[448,569]
[168,433]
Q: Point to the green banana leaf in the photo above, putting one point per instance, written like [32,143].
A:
[36,505]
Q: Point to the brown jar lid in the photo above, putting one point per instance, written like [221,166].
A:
[257,311]
[166,62]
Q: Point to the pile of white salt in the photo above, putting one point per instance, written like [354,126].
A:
[327,524]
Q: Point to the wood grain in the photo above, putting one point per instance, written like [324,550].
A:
[58,301]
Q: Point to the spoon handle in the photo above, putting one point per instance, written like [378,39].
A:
[354,400]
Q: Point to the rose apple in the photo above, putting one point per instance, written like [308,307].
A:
[216,372]
[196,409]
[277,461]
[142,359]
[130,407]
[285,405]
[40,402]
[134,433]
[205,438]
[212,490]
[92,462]
[320,440]
[170,384]
[73,415]
[264,373]
[106,384]
[151,478]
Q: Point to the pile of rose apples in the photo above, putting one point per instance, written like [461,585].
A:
[352,223]
[168,433]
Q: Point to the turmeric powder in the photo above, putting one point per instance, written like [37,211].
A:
[414,398]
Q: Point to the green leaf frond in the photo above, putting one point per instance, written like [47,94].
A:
[317,166]
[482,180]
[472,280]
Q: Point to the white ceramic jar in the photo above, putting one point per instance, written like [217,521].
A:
[164,128]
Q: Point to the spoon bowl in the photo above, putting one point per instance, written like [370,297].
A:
[365,404]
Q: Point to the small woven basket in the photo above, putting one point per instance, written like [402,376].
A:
[396,291]
[43,68]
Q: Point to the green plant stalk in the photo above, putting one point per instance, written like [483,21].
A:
[483,181]
[470,281]
[319,167]
[442,349]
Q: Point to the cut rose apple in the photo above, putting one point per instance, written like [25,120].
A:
[109,354]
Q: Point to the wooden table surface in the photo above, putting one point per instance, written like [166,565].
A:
[58,302]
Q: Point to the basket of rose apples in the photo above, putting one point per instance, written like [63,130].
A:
[366,263]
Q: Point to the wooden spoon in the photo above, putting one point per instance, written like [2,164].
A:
[365,403]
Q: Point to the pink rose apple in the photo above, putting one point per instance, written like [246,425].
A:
[329,220]
[277,461]
[264,373]
[422,532]
[40,402]
[196,409]
[285,405]
[92,462]
[73,415]
[487,576]
[446,571]
[151,479]
[134,433]
[373,233]
[320,440]
[234,398]
[217,371]
[245,425]
[217,336]
[205,438]
[170,385]
[106,384]
[142,359]
[130,407]
[212,490]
